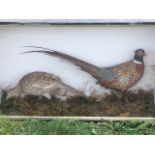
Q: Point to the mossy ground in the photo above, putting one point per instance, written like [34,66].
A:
[140,104]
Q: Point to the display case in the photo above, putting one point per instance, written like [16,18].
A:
[79,69]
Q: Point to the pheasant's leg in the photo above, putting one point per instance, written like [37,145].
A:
[124,97]
[117,93]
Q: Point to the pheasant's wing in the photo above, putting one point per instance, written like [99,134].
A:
[125,69]
[118,72]
[125,75]
[108,74]
[91,69]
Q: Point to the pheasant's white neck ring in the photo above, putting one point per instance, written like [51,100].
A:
[138,59]
[137,62]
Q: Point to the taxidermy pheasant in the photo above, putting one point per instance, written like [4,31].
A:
[120,77]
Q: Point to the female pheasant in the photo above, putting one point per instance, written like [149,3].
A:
[120,77]
[43,84]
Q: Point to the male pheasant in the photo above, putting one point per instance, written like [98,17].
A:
[120,77]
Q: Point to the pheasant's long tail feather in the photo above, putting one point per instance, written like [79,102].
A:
[91,69]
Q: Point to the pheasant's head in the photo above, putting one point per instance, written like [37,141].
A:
[139,54]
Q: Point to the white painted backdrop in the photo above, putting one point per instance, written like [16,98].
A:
[99,45]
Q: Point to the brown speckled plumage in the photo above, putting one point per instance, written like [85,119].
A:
[42,84]
[128,74]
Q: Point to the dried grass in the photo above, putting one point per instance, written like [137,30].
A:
[141,104]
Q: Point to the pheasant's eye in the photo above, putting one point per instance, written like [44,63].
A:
[140,52]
